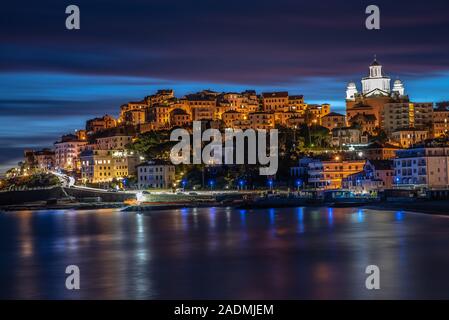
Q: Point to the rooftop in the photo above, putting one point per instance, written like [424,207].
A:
[280,94]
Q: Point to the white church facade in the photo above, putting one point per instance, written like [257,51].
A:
[377,83]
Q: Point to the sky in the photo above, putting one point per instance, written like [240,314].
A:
[53,79]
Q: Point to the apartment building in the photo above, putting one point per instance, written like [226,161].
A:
[99,124]
[346,137]
[333,120]
[231,116]
[179,118]
[275,101]
[156,174]
[116,142]
[379,151]
[408,137]
[405,115]
[329,175]
[67,152]
[426,166]
[377,175]
[440,122]
[202,105]
[366,123]
[105,165]
[262,120]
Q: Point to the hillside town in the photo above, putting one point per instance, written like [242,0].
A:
[384,141]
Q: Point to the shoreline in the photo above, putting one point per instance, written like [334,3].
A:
[435,207]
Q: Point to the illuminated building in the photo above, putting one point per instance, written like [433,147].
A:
[440,122]
[133,112]
[156,174]
[106,165]
[317,110]
[100,124]
[231,116]
[135,117]
[408,137]
[202,105]
[422,167]
[179,118]
[333,120]
[376,92]
[366,123]
[378,151]
[262,120]
[67,152]
[81,134]
[296,103]
[40,160]
[161,96]
[377,175]
[159,114]
[328,175]
[283,117]
[275,101]
[397,116]
[116,142]
[348,137]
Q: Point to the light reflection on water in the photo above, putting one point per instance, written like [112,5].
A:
[312,253]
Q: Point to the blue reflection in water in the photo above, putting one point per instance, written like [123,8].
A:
[399,215]
[360,216]
[301,220]
[212,217]
[243,217]
[228,216]
[330,216]
[149,256]
[184,215]
[272,216]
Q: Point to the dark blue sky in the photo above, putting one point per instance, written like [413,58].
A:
[52,79]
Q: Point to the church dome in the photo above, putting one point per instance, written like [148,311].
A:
[398,87]
[351,85]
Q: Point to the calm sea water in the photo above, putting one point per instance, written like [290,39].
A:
[298,253]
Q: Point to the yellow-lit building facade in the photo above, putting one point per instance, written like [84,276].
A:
[328,175]
[99,166]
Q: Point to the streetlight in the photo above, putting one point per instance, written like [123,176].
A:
[298,184]
[270,184]
[241,184]
[211,184]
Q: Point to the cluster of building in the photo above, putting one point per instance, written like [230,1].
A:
[382,108]
[98,153]
[379,167]
[411,157]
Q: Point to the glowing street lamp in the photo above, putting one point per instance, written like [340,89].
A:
[298,184]
[270,184]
